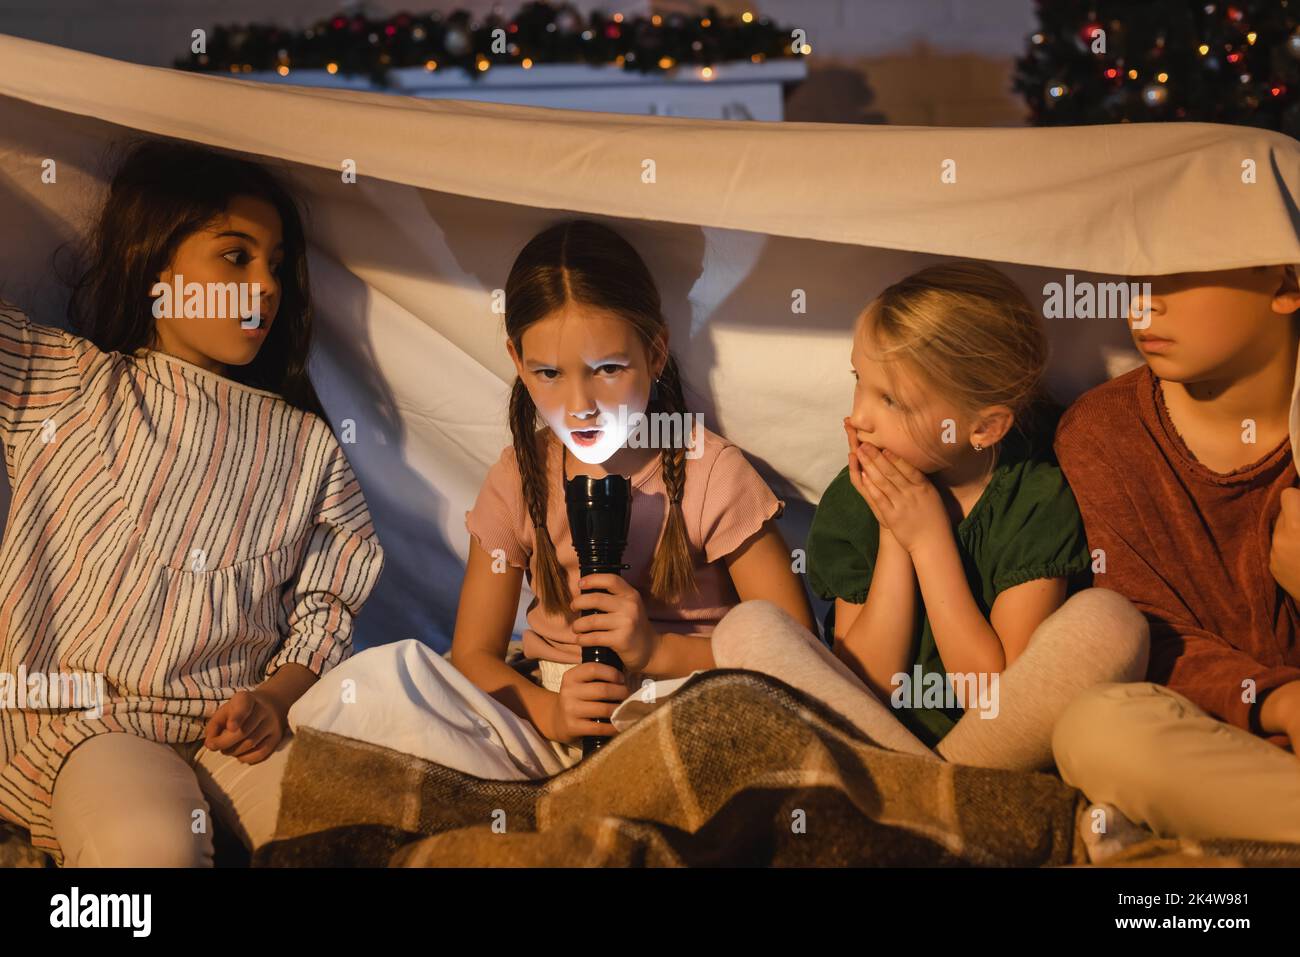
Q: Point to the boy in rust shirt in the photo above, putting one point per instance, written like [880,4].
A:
[1184,474]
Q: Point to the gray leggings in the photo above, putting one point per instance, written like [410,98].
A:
[1096,637]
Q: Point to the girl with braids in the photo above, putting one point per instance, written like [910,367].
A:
[590,346]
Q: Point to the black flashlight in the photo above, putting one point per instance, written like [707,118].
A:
[600,513]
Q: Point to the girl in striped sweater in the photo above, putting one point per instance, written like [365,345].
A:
[186,544]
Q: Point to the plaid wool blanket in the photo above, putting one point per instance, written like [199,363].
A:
[735,769]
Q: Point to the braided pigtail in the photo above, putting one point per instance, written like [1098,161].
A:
[672,572]
[549,582]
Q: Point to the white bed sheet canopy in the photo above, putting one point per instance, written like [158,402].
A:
[736,218]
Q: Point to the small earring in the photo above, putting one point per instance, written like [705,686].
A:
[654,390]
[978,447]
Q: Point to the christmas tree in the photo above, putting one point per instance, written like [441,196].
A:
[1116,61]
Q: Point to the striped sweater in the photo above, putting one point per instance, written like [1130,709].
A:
[174,533]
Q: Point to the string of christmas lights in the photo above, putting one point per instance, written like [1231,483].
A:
[539,33]
[1136,60]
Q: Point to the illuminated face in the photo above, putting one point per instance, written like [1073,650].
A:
[243,247]
[895,409]
[1214,324]
[589,376]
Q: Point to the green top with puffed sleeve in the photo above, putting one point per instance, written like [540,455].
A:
[1025,526]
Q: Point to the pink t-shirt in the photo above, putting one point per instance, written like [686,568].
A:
[725,502]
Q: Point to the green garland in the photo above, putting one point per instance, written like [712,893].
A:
[539,33]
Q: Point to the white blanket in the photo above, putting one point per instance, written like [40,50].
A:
[738,218]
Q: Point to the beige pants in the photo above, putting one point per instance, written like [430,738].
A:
[1168,765]
[1097,636]
[124,801]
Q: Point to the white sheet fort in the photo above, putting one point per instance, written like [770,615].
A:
[766,239]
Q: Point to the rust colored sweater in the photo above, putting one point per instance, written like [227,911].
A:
[1187,545]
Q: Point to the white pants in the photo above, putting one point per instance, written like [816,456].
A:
[125,801]
[407,697]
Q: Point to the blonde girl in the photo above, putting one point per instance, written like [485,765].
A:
[950,543]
